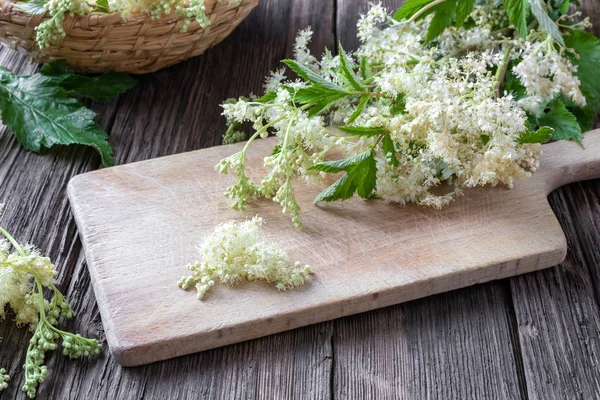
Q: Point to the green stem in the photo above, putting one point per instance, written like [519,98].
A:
[12,240]
[258,132]
[424,10]
[501,74]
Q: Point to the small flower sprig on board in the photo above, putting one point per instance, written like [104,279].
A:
[236,252]
[24,274]
[442,96]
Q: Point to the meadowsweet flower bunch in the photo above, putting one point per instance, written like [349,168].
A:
[51,30]
[236,252]
[442,96]
[24,274]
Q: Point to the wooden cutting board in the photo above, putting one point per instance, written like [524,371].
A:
[140,225]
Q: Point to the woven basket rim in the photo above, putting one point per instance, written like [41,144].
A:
[100,15]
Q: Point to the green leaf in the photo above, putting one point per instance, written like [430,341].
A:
[341,165]
[311,76]
[542,135]
[399,105]
[321,97]
[547,24]
[98,88]
[485,139]
[317,94]
[42,115]
[32,7]
[102,3]
[361,177]
[517,14]
[365,70]
[587,46]
[512,84]
[359,109]
[562,121]
[564,7]
[268,97]
[389,149]
[444,15]
[362,131]
[463,10]
[410,8]
[347,67]
[342,189]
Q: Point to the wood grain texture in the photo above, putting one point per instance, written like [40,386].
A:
[458,345]
[168,112]
[140,223]
[155,119]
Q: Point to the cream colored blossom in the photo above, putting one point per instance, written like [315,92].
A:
[236,252]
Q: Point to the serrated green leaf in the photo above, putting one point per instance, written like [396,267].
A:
[517,14]
[444,15]
[587,46]
[542,135]
[359,108]
[99,88]
[365,69]
[268,97]
[311,76]
[317,94]
[342,189]
[562,121]
[341,165]
[463,10]
[389,149]
[361,177]
[32,7]
[564,7]
[347,68]
[399,105]
[546,23]
[410,8]
[362,131]
[320,97]
[42,115]
[365,176]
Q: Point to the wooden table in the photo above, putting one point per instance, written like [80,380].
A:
[535,336]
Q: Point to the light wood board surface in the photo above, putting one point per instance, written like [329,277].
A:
[140,224]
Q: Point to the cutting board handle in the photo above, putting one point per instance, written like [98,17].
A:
[566,162]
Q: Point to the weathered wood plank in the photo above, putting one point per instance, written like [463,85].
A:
[33,187]
[458,345]
[557,309]
[171,111]
[37,211]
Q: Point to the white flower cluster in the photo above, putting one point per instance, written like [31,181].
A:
[303,141]
[51,30]
[236,252]
[24,273]
[445,121]
[16,282]
[547,74]
[4,378]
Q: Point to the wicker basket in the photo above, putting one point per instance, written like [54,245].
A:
[101,42]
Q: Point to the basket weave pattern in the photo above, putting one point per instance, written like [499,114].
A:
[101,42]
